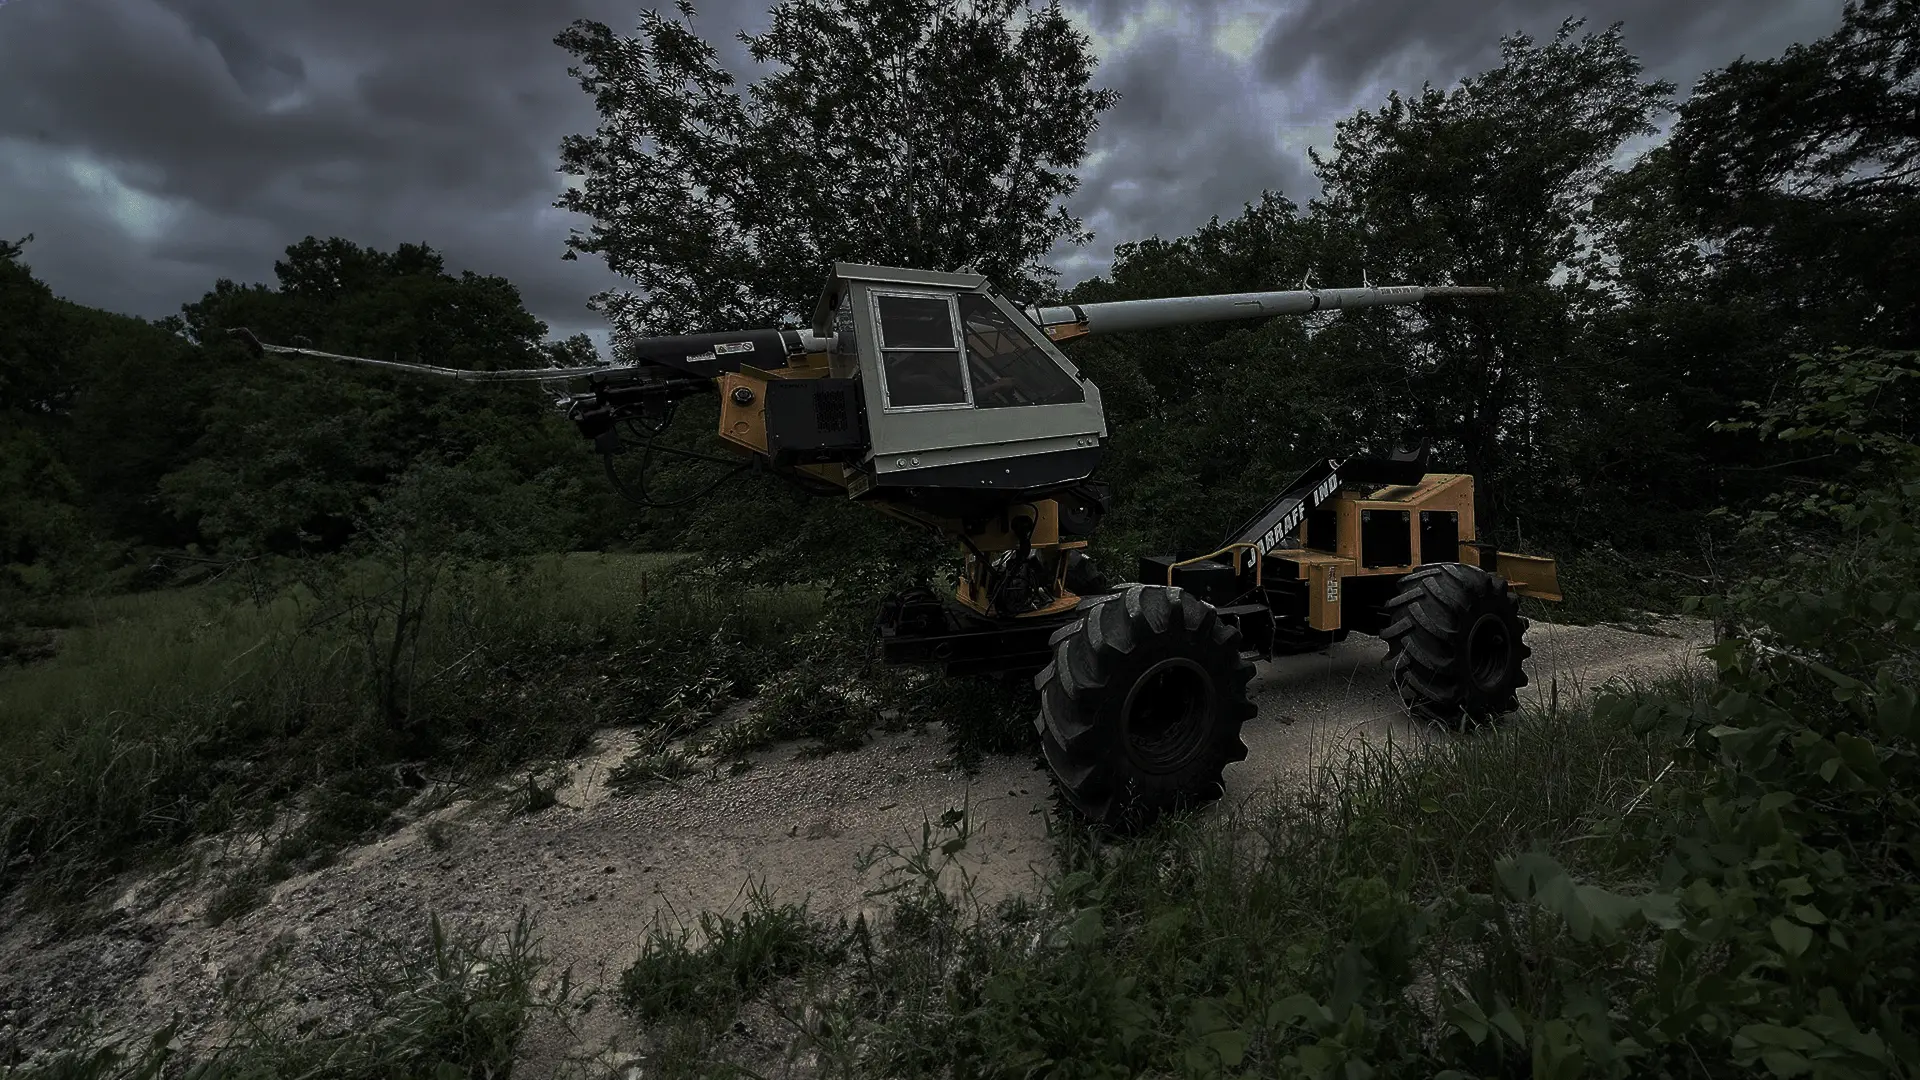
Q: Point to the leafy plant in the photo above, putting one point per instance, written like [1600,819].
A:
[730,959]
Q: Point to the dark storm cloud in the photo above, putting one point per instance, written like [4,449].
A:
[1349,47]
[155,145]
[1198,133]
[258,67]
[1187,141]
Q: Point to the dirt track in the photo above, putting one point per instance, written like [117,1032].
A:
[595,869]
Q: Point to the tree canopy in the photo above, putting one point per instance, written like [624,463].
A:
[900,132]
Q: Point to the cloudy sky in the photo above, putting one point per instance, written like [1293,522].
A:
[152,146]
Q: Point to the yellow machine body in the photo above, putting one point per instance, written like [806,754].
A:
[1324,557]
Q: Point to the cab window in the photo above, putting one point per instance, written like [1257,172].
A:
[1008,368]
[920,364]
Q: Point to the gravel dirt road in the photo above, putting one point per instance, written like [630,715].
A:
[598,867]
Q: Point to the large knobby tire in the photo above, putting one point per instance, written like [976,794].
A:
[1454,641]
[1141,707]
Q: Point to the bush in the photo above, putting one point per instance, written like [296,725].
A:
[730,960]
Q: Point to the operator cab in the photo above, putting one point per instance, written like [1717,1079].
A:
[961,391]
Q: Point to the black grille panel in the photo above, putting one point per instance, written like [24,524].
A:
[1439,536]
[830,412]
[1386,538]
[814,420]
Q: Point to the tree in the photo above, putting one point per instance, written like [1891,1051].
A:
[43,529]
[29,338]
[1803,174]
[293,452]
[1207,420]
[924,133]
[1486,184]
[1779,217]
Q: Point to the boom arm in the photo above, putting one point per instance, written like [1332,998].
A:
[1121,315]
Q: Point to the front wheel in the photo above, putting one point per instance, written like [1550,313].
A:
[1142,705]
[1454,641]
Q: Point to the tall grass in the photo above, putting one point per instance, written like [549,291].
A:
[178,713]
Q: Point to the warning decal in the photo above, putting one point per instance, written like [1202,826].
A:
[1333,589]
[731,347]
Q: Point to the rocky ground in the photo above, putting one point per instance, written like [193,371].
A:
[598,867]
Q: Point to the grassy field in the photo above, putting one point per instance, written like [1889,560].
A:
[171,714]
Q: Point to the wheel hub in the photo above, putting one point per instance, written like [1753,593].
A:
[1489,651]
[1165,714]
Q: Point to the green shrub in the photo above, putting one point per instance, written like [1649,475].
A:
[679,974]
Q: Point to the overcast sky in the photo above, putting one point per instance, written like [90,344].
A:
[153,146]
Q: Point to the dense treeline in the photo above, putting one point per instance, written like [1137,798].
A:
[129,439]
[1643,304]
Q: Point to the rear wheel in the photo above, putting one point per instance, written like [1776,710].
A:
[1455,644]
[1142,705]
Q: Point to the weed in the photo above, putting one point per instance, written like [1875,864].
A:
[647,766]
[811,701]
[536,796]
[730,960]
[982,716]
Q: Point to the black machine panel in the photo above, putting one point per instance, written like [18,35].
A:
[1439,536]
[1277,520]
[1400,468]
[1386,538]
[1323,529]
[814,420]
[1081,508]
[1047,471]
